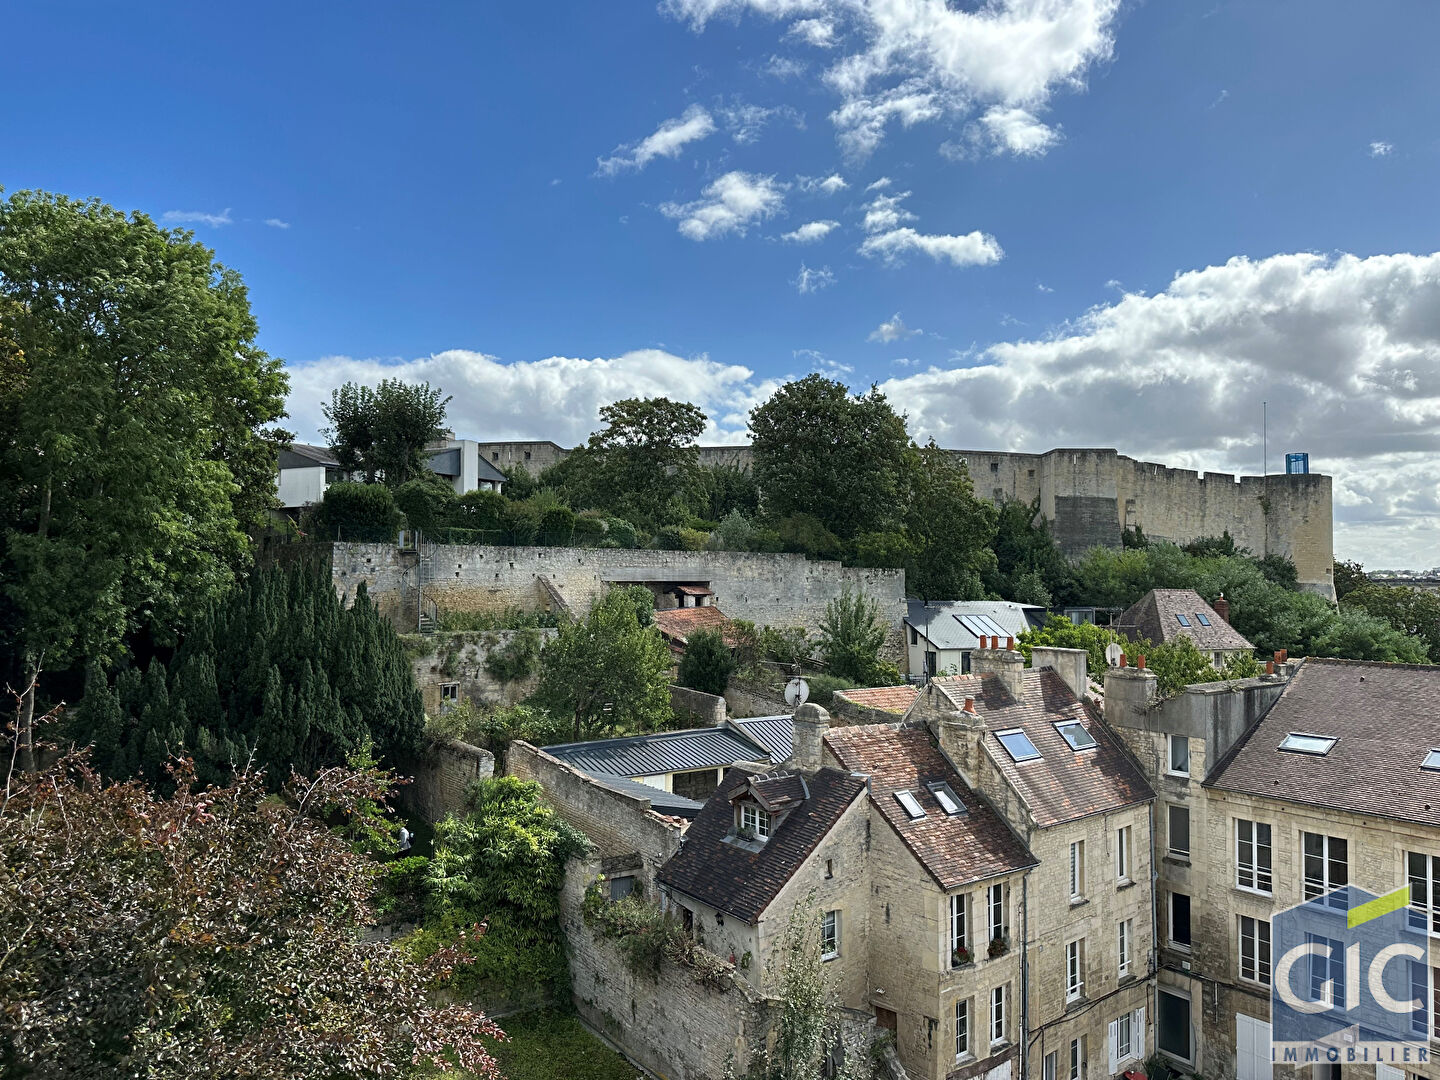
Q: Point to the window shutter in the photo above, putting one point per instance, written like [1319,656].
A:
[1137,1037]
[1114,1047]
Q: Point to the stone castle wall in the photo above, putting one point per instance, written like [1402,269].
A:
[461,658]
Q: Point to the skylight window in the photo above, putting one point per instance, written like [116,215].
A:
[1300,743]
[947,799]
[1018,745]
[1432,761]
[1182,619]
[1204,619]
[910,804]
[1075,734]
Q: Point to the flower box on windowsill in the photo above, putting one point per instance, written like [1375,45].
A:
[961,958]
[998,947]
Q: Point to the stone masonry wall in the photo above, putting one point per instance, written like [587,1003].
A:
[704,710]
[442,775]
[767,589]
[460,658]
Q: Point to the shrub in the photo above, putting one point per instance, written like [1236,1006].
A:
[400,889]
[357,512]
[707,663]
[621,533]
[557,526]
[851,637]
[734,533]
[517,659]
[427,503]
[679,538]
[823,687]
[590,528]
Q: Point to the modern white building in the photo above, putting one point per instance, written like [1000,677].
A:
[940,634]
[306,471]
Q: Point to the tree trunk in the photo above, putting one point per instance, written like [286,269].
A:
[26,731]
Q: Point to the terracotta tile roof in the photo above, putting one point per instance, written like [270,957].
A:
[894,699]
[776,793]
[1385,717]
[742,882]
[955,850]
[677,624]
[1154,617]
[1062,784]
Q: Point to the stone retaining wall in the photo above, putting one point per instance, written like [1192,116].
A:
[704,710]
[442,775]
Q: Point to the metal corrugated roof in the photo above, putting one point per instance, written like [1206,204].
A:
[661,801]
[944,624]
[663,752]
[775,733]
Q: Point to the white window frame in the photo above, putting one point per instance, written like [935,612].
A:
[830,935]
[1127,1038]
[1324,883]
[1074,969]
[1124,934]
[1077,870]
[1252,877]
[1077,1058]
[1170,922]
[959,925]
[1179,853]
[995,921]
[1050,1070]
[1257,933]
[962,1028]
[1123,855]
[1174,741]
[997,1015]
[756,819]
[1426,913]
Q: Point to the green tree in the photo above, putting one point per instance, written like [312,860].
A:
[384,432]
[1357,635]
[607,671]
[138,446]
[822,451]
[734,533]
[851,637]
[428,503]
[1025,548]
[1413,612]
[350,511]
[726,489]
[1348,576]
[1060,633]
[707,662]
[951,529]
[1177,663]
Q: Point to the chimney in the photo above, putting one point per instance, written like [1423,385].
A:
[1222,607]
[1129,693]
[811,722]
[1008,664]
[959,732]
[1072,665]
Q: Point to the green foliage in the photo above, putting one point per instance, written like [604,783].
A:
[951,529]
[784,645]
[734,533]
[1356,635]
[401,888]
[707,662]
[1176,663]
[550,1045]
[823,687]
[851,637]
[679,538]
[797,974]
[1413,612]
[350,511]
[1347,577]
[806,534]
[1060,633]
[647,936]
[384,432]
[1028,563]
[723,490]
[517,659]
[1207,547]
[608,671]
[495,727]
[821,451]
[279,668]
[428,503]
[1241,666]
[520,483]
[509,619]
[1029,587]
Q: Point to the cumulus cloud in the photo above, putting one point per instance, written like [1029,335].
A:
[810,280]
[908,61]
[1381,149]
[730,204]
[885,212]
[891,240]
[668,140]
[892,329]
[811,232]
[828,185]
[197,217]
[276,223]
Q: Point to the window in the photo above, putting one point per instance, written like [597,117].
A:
[1424,874]
[1297,742]
[1124,1046]
[1179,755]
[914,636]
[959,936]
[1202,618]
[494,455]
[1327,969]
[1127,1038]
[830,935]
[962,1028]
[1077,1058]
[1252,855]
[1180,831]
[829,869]
[994,466]
[1424,985]
[527,455]
[1255,950]
[1180,920]
[1074,970]
[449,695]
[948,800]
[1432,760]
[1124,933]
[1051,1069]
[1327,867]
[911,805]
[1172,1024]
[997,1015]
[755,820]
[1122,854]
[621,887]
[1075,734]
[995,902]
[1017,744]
[931,662]
[1077,869]
[1181,619]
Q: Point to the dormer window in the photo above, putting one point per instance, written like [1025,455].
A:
[754,821]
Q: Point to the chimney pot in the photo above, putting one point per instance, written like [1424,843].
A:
[1140,662]
[969,705]
[1278,658]
[1010,643]
[1284,655]
[1269,667]
[1124,659]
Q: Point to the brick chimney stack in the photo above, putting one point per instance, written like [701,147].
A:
[1222,607]
[998,660]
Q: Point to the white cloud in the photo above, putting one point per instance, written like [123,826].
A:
[197,217]
[1018,131]
[878,185]
[885,212]
[892,329]
[276,223]
[814,360]
[1040,286]
[785,67]
[813,280]
[730,204]
[811,232]
[970,249]
[828,185]
[909,61]
[746,122]
[668,140]
[1381,149]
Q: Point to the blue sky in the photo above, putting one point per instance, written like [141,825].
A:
[1092,223]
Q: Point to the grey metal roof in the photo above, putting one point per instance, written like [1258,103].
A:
[305,456]
[486,471]
[445,462]
[662,802]
[775,733]
[660,753]
[959,624]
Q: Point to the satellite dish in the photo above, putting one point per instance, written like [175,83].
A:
[1113,652]
[797,692]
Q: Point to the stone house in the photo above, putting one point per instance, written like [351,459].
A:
[1163,615]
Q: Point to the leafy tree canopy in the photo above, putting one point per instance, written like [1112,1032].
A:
[1348,576]
[383,432]
[1413,612]
[950,528]
[851,637]
[707,662]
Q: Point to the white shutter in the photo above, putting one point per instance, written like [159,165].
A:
[1114,1047]
[1388,1072]
[1137,1034]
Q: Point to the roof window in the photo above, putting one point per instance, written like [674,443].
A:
[1432,761]
[1074,733]
[1181,619]
[910,804]
[1300,743]
[1017,744]
[946,797]
[1204,619]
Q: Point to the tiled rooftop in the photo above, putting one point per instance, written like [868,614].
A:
[894,699]
[678,624]
[1156,617]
